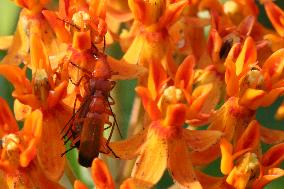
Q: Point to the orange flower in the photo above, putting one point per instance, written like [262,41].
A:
[18,163]
[19,45]
[85,23]
[152,43]
[254,86]
[274,14]
[45,93]
[252,168]
[164,143]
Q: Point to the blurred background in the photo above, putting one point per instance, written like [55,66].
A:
[124,94]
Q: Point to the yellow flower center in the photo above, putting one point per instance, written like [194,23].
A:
[231,7]
[253,79]
[171,95]
[79,19]
[41,85]
[10,142]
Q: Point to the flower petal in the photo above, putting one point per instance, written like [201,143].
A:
[273,67]
[17,77]
[57,94]
[250,138]
[133,54]
[39,179]
[179,164]
[132,183]
[252,98]
[21,110]
[227,158]
[8,123]
[272,174]
[247,55]
[154,153]
[31,133]
[19,48]
[50,148]
[229,117]
[275,15]
[101,175]
[271,136]
[274,156]
[79,185]
[156,79]
[211,182]
[206,156]
[149,105]
[172,13]
[57,25]
[122,70]
[185,73]
[129,148]
[200,140]
[6,42]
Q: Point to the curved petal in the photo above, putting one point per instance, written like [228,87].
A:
[8,123]
[38,51]
[31,134]
[101,175]
[206,156]
[272,174]
[57,25]
[57,94]
[21,110]
[272,95]
[271,136]
[200,140]
[79,185]
[250,139]
[149,105]
[230,116]
[179,164]
[172,13]
[275,15]
[19,48]
[211,182]
[129,148]
[122,70]
[231,76]
[274,156]
[247,55]
[273,67]
[50,148]
[154,153]
[156,79]
[6,42]
[17,77]
[185,73]
[227,163]
[252,98]
[133,54]
[132,183]
[39,179]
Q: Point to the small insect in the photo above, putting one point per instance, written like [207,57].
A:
[85,128]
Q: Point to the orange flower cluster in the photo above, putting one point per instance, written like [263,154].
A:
[199,90]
